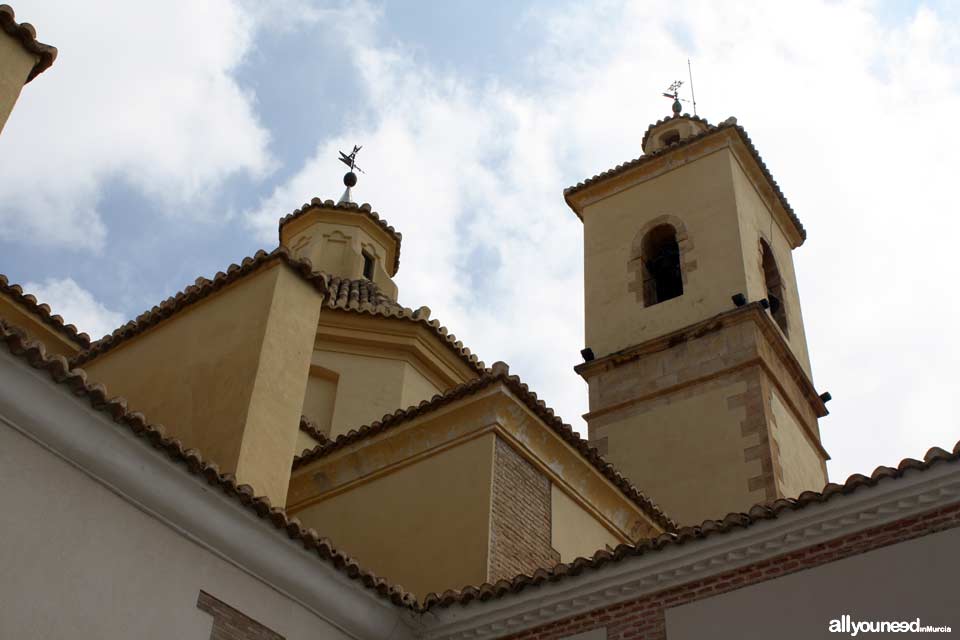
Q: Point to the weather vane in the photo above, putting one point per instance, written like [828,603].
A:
[350,178]
[673,92]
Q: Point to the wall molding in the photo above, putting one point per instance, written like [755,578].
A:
[889,501]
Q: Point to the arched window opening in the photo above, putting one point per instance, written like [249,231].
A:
[774,284]
[670,137]
[662,277]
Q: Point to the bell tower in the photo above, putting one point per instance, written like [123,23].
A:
[696,361]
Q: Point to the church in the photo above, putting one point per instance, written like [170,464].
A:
[282,450]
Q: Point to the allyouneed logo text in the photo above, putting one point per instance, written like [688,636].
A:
[846,624]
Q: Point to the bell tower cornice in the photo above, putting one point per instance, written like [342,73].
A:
[702,140]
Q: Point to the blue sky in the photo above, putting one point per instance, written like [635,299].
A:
[168,139]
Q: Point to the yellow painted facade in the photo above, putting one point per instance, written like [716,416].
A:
[366,367]
[438,468]
[15,66]
[681,400]
[575,533]
[336,241]
[228,374]
[424,526]
[54,341]
[701,434]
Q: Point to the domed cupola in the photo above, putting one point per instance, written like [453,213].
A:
[672,130]
[344,239]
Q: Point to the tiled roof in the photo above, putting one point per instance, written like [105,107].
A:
[365,297]
[711,129]
[96,394]
[42,311]
[344,293]
[202,288]
[27,36]
[685,535]
[500,373]
[670,118]
[311,429]
[350,207]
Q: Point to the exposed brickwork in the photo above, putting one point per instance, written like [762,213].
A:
[520,519]
[645,618]
[230,624]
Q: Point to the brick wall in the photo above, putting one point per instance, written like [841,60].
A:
[645,619]
[520,519]
[230,624]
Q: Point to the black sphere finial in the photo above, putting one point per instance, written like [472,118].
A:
[677,107]
[350,179]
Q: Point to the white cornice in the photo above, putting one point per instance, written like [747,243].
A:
[112,455]
[632,578]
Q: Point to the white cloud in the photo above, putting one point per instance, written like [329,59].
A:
[852,116]
[141,92]
[76,305]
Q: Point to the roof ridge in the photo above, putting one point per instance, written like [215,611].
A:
[730,123]
[500,372]
[758,512]
[27,35]
[391,309]
[350,207]
[43,311]
[60,371]
[201,288]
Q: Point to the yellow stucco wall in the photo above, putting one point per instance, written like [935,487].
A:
[334,241]
[305,442]
[367,388]
[227,375]
[693,430]
[15,66]
[416,387]
[757,222]
[424,526]
[422,474]
[54,341]
[273,419]
[804,470]
[321,398]
[575,533]
[615,318]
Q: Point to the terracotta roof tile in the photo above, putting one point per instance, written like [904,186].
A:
[732,522]
[27,36]
[311,429]
[42,311]
[499,373]
[344,293]
[711,129]
[350,207]
[202,288]
[60,371]
[365,297]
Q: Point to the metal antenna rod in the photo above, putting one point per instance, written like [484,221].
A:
[692,97]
